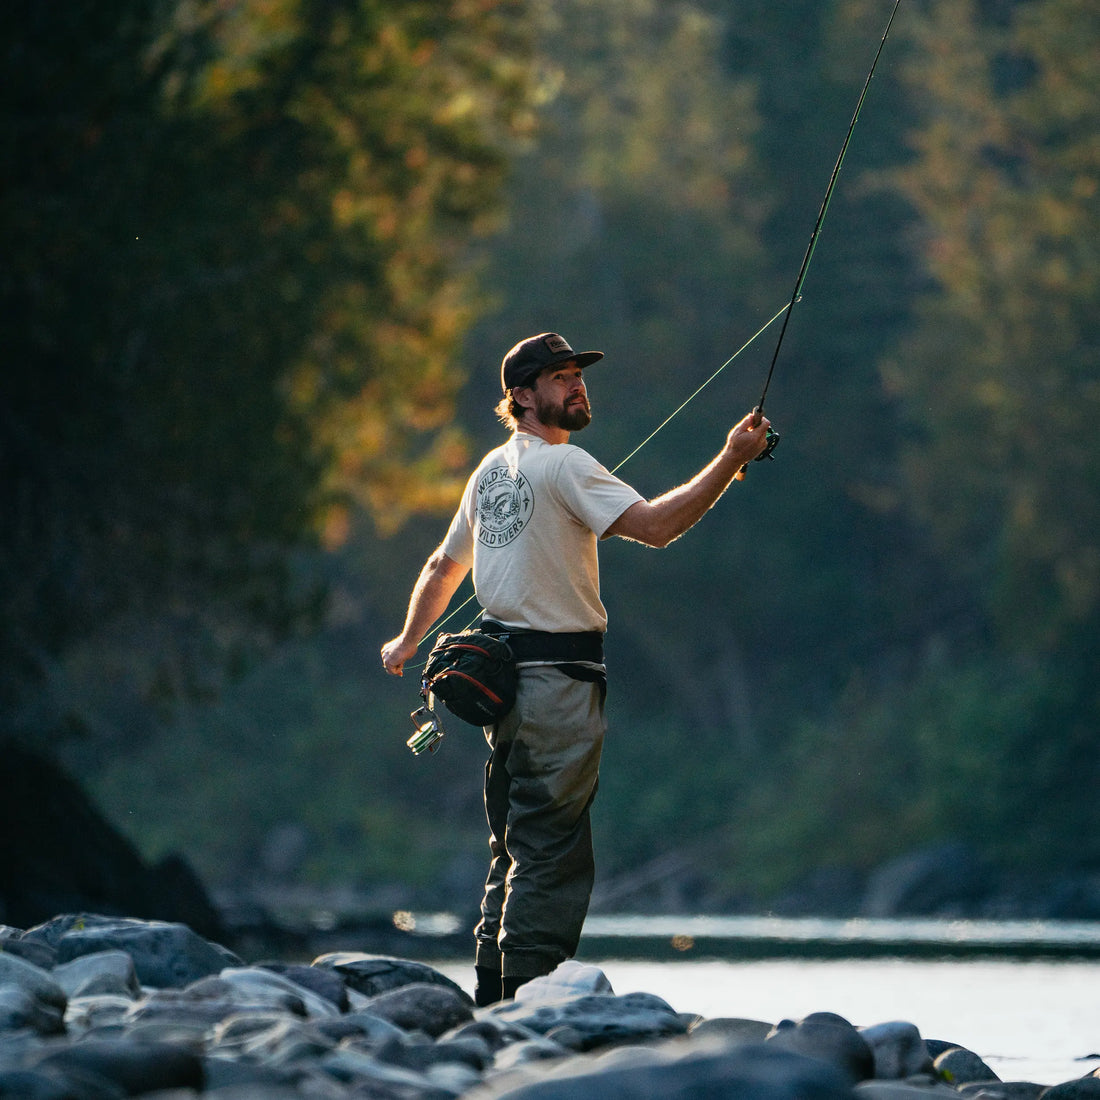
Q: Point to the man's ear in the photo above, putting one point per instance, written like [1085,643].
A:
[524,396]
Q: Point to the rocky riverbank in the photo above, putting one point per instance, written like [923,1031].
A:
[99,1008]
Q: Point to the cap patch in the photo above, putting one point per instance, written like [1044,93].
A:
[556,344]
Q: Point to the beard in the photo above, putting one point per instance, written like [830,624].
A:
[571,418]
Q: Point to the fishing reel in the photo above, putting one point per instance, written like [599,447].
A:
[771,440]
[428,730]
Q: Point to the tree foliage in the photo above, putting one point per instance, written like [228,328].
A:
[999,373]
[233,290]
[261,252]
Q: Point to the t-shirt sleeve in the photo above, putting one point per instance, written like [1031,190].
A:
[594,495]
[458,543]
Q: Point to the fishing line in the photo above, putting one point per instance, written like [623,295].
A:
[785,311]
[440,623]
[687,401]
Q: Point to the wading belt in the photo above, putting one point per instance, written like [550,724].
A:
[563,650]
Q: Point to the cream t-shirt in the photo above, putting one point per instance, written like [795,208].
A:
[529,523]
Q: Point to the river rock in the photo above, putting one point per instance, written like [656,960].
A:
[325,983]
[958,1066]
[830,1038]
[421,1006]
[1086,1088]
[898,1049]
[570,979]
[19,1008]
[597,1020]
[164,954]
[1001,1090]
[670,1072]
[39,983]
[258,985]
[925,1089]
[101,972]
[88,1026]
[135,1067]
[375,974]
[731,1029]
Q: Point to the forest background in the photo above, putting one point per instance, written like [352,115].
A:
[261,259]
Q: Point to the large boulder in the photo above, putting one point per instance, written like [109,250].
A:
[61,855]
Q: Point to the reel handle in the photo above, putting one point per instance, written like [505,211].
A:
[771,440]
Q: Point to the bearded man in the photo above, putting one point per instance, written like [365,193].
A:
[529,525]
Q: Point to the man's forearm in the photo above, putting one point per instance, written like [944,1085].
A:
[681,508]
[437,583]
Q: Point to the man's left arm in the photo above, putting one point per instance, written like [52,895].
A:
[437,583]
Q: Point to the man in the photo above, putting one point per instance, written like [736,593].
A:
[528,525]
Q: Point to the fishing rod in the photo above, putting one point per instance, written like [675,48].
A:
[758,411]
[796,295]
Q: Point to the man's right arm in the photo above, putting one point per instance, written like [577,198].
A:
[659,522]
[437,583]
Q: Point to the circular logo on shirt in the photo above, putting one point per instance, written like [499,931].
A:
[504,505]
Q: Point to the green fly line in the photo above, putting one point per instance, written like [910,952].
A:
[664,423]
[785,312]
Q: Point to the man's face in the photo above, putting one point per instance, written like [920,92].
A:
[561,400]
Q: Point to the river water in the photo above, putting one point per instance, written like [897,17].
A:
[1030,1019]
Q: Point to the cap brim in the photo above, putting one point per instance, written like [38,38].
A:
[587,358]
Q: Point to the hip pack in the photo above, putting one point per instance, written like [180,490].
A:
[473,674]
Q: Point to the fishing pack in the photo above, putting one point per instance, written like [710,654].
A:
[474,675]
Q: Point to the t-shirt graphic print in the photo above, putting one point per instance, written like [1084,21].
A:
[505,503]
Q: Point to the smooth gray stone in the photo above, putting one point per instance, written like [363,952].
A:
[830,1038]
[134,1066]
[1002,1090]
[175,1012]
[230,1037]
[958,1066]
[40,984]
[731,1029]
[101,1010]
[371,1029]
[1084,1088]
[598,1020]
[217,990]
[690,1071]
[256,983]
[325,983]
[19,1009]
[109,972]
[569,979]
[166,955]
[898,1049]
[422,1055]
[432,1009]
[286,1042]
[31,1084]
[363,1072]
[536,1049]
[372,975]
[904,1090]
[229,1077]
[491,1029]
[34,951]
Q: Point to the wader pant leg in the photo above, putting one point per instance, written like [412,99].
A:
[540,780]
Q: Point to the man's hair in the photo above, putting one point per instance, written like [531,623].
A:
[509,411]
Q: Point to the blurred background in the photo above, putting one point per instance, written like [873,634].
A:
[260,262]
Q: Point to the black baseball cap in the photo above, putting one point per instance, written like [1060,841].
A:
[528,357]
